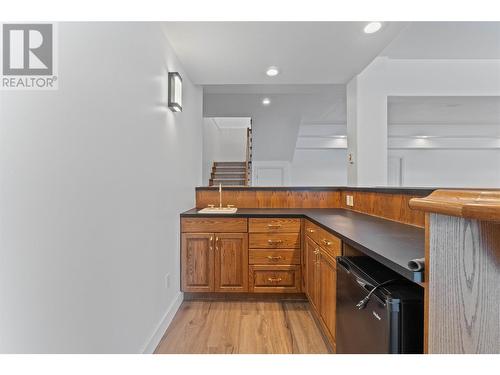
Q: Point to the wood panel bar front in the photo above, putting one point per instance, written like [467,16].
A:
[249,198]
[387,205]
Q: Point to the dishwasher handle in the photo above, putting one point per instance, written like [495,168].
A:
[341,262]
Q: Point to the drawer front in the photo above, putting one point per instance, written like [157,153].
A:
[312,230]
[285,256]
[330,244]
[221,224]
[274,225]
[274,279]
[274,240]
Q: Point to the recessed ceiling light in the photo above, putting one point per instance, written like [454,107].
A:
[372,27]
[266,101]
[272,71]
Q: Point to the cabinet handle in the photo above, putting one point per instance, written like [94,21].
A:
[211,247]
[273,226]
[274,257]
[274,279]
[327,243]
[316,251]
[311,230]
[274,242]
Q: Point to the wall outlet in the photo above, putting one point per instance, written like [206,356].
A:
[167,280]
[349,200]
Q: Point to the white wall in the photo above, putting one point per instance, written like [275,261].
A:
[367,102]
[94,177]
[221,144]
[450,168]
[275,127]
[319,167]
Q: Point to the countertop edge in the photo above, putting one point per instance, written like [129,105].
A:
[384,190]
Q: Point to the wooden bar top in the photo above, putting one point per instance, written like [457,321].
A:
[481,205]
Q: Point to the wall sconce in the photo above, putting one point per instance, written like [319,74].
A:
[175,92]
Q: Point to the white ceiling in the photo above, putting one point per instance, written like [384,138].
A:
[305,52]
[446,40]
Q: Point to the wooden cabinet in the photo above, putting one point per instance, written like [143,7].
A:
[275,240]
[231,262]
[312,272]
[328,242]
[328,293]
[197,262]
[215,224]
[274,225]
[216,255]
[321,248]
[273,279]
[275,255]
[214,262]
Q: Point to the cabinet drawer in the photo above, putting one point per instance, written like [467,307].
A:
[274,279]
[328,242]
[285,256]
[274,225]
[220,224]
[274,240]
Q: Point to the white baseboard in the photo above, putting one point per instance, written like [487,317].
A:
[164,323]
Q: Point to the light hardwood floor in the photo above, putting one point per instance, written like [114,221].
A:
[250,327]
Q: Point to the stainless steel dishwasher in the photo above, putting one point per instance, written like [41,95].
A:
[378,311]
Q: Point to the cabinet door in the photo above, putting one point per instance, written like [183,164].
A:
[328,281]
[197,262]
[231,262]
[312,277]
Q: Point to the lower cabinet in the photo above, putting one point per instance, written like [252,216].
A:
[197,262]
[214,262]
[275,255]
[261,255]
[231,262]
[328,295]
[312,279]
[321,278]
[275,279]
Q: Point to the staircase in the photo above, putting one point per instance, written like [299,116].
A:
[229,173]
[234,173]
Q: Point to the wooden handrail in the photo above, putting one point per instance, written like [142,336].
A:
[248,158]
[474,204]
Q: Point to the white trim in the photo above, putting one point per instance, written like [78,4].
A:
[164,323]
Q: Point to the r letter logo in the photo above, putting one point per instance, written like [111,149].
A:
[28,56]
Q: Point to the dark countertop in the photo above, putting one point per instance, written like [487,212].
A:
[392,244]
[418,191]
